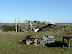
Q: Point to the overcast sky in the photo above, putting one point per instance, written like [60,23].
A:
[58,11]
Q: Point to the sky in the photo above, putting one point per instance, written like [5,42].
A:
[58,11]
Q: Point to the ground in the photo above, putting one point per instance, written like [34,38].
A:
[9,41]
[9,44]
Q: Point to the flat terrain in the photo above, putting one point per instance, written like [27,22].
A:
[9,43]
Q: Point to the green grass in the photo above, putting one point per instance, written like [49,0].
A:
[9,41]
[9,44]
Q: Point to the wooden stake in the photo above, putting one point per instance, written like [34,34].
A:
[16,24]
[30,26]
[19,22]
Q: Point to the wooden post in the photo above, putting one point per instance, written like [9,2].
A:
[63,42]
[16,25]
[69,43]
[19,22]
[38,24]
[30,26]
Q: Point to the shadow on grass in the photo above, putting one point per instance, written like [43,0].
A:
[57,44]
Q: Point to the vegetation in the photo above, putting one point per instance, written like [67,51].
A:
[9,28]
[9,41]
[9,44]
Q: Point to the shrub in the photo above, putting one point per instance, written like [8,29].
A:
[8,28]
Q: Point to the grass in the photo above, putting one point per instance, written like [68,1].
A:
[9,41]
[9,44]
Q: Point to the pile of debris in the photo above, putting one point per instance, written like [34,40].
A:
[35,26]
[33,39]
[46,40]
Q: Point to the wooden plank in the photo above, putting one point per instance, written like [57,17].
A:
[40,22]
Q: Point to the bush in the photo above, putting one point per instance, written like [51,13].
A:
[8,28]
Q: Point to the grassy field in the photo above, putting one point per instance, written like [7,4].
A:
[9,43]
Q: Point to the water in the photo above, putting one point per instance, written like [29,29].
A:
[2,24]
